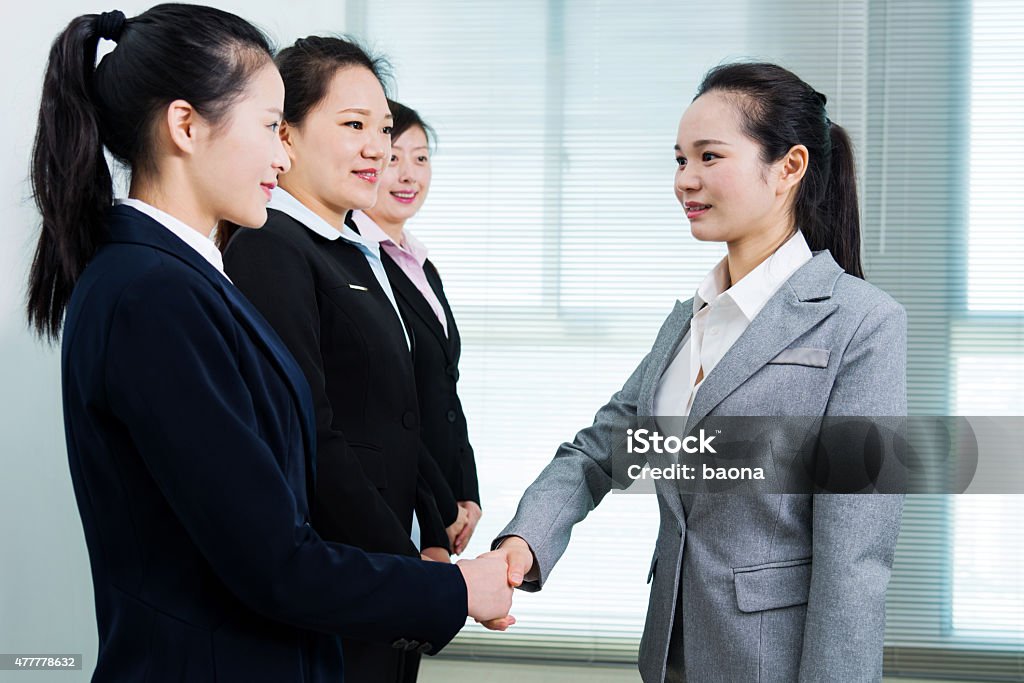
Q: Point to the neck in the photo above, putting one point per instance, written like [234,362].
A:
[749,252]
[396,231]
[334,215]
[175,199]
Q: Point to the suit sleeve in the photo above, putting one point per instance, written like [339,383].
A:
[467,485]
[277,279]
[436,507]
[577,479]
[854,535]
[173,379]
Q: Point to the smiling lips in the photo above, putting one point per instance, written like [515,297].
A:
[367,174]
[404,196]
[695,209]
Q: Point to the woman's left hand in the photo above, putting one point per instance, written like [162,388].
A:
[474,514]
[435,554]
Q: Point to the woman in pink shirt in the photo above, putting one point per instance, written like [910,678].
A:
[417,284]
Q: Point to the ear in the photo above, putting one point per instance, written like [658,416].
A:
[182,124]
[288,134]
[791,169]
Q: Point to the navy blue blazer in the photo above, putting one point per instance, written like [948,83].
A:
[190,439]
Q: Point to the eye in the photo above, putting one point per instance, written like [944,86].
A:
[393,158]
[422,159]
[681,161]
[357,125]
[705,156]
[386,130]
[274,126]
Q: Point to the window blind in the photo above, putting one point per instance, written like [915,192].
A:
[553,223]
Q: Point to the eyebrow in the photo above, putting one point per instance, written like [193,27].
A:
[364,112]
[275,110]
[703,143]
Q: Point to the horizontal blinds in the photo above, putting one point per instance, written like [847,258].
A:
[552,220]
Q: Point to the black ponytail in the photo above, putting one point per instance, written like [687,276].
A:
[70,179]
[779,111]
[839,229]
[199,54]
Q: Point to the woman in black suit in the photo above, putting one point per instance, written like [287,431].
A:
[323,288]
[403,189]
[189,425]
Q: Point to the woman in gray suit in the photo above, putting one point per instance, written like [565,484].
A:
[751,587]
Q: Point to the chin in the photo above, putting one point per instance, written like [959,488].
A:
[251,219]
[361,198]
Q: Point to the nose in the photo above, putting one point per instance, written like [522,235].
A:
[378,147]
[281,163]
[687,179]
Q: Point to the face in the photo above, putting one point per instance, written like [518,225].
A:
[238,161]
[341,148]
[728,193]
[406,180]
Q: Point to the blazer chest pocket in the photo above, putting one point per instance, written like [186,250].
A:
[772,585]
[372,460]
[802,355]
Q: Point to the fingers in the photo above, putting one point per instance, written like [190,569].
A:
[462,540]
[436,554]
[457,526]
[501,624]
[489,597]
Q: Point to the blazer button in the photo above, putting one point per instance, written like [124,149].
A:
[409,420]
[425,649]
[400,644]
[451,416]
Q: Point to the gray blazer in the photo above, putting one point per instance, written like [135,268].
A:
[754,588]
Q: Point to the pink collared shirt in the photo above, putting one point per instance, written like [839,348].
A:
[410,257]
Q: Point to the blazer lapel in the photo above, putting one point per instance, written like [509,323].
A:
[665,351]
[414,299]
[128,225]
[800,304]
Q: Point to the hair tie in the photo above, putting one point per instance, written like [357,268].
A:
[110,25]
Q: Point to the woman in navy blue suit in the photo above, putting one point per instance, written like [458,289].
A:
[189,425]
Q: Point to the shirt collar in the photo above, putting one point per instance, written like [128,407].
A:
[283,201]
[752,292]
[369,229]
[186,233]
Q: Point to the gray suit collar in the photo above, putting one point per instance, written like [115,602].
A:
[799,305]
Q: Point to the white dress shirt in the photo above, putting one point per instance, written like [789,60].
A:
[284,202]
[186,233]
[720,316]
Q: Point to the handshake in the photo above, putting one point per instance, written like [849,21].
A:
[490,579]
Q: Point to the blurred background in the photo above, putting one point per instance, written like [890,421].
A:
[553,223]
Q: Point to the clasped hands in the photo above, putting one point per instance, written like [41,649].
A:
[490,579]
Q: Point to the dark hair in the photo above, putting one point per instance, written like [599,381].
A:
[199,54]
[779,111]
[407,117]
[307,68]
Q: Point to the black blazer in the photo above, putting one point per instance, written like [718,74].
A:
[436,360]
[190,437]
[324,301]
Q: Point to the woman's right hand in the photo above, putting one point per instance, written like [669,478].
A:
[457,526]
